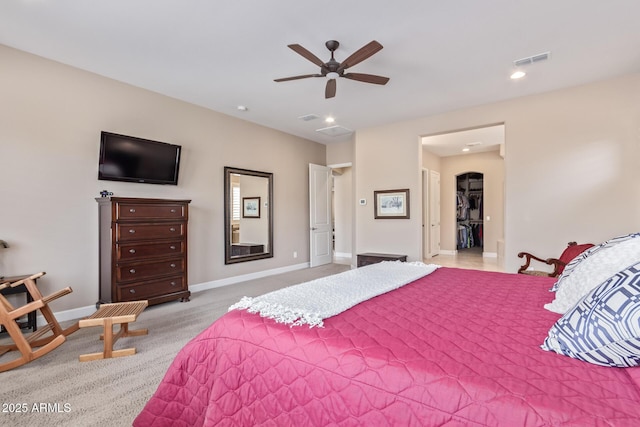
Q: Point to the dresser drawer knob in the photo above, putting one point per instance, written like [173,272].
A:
[132,251]
[172,265]
[172,247]
[132,210]
[173,283]
[132,291]
[132,271]
[131,230]
[173,211]
[172,229]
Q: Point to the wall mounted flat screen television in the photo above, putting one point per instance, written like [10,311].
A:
[127,158]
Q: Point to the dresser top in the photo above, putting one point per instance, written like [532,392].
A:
[374,254]
[137,200]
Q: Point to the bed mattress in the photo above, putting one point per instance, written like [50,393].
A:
[454,348]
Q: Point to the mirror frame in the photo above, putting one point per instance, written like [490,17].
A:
[228,171]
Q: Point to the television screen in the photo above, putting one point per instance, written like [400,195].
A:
[127,158]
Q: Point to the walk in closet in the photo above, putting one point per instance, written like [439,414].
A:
[469,216]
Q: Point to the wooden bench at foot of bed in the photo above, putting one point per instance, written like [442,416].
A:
[107,316]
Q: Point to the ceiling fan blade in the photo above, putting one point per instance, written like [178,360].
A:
[360,55]
[367,78]
[330,89]
[306,54]
[304,76]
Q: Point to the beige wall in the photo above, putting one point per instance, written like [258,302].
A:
[491,165]
[430,161]
[340,153]
[571,168]
[51,116]
[388,158]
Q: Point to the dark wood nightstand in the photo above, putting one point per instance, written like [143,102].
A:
[373,258]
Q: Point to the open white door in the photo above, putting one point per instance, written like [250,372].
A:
[320,228]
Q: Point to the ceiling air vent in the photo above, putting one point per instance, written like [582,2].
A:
[308,117]
[532,59]
[335,131]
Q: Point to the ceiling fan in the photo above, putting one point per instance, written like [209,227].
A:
[333,69]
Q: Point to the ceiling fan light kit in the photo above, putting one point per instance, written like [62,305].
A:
[332,69]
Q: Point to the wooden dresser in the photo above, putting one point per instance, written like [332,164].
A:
[143,249]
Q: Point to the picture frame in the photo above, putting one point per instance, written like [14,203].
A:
[391,204]
[251,207]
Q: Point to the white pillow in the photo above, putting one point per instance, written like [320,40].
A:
[604,327]
[594,270]
[566,272]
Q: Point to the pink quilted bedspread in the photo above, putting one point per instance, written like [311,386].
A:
[455,348]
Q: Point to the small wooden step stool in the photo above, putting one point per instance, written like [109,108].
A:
[109,315]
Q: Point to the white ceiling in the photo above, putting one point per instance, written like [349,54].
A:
[440,55]
[478,140]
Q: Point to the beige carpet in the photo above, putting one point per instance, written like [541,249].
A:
[58,390]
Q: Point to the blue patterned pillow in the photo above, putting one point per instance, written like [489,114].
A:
[604,327]
[586,254]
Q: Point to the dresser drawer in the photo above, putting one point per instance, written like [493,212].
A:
[146,270]
[145,290]
[144,211]
[133,232]
[135,251]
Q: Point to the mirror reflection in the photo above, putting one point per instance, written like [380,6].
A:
[248,215]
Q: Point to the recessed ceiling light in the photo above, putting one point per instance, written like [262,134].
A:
[329,119]
[466,149]
[242,108]
[518,75]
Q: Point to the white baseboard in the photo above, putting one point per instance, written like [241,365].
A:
[74,313]
[447,252]
[342,254]
[484,254]
[236,279]
[79,313]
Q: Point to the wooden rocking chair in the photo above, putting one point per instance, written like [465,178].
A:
[35,344]
[558,264]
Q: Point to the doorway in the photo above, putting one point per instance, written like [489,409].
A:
[455,154]
[342,213]
[331,214]
[469,214]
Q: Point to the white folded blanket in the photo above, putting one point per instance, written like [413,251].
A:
[311,302]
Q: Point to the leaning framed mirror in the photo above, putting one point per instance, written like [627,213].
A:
[248,215]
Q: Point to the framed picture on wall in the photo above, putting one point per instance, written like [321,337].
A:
[251,207]
[391,204]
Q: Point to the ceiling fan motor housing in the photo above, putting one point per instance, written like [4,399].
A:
[332,45]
